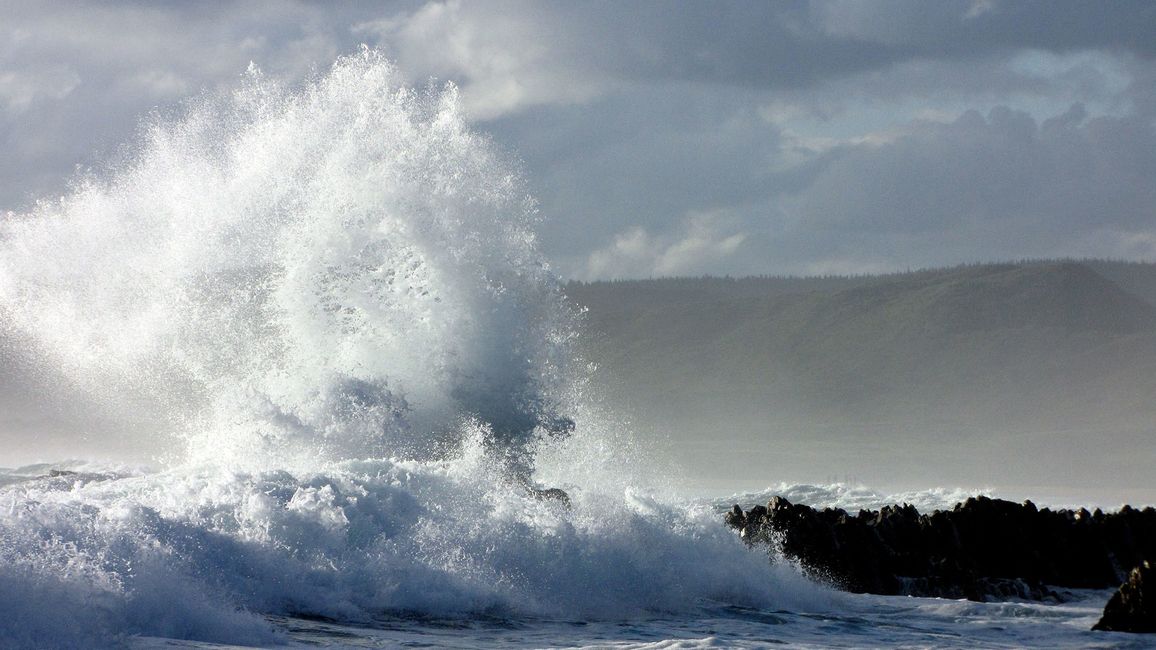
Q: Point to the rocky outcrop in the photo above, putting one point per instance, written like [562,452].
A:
[980,549]
[1133,606]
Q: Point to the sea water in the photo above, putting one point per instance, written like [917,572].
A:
[388,553]
[378,553]
[321,314]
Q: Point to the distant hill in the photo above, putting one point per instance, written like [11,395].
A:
[981,353]
[1136,278]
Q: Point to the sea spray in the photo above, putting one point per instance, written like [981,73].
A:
[331,272]
[332,297]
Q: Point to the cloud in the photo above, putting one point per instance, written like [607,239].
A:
[76,79]
[970,187]
[985,187]
[21,90]
[512,55]
[629,119]
[962,28]
[643,159]
[504,61]
[701,243]
[833,135]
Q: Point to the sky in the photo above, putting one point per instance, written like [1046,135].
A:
[677,138]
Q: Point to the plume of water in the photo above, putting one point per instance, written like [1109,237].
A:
[334,271]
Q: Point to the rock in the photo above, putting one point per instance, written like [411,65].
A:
[551,494]
[981,548]
[735,518]
[1133,607]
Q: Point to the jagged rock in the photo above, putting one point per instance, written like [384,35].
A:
[735,517]
[1133,606]
[981,548]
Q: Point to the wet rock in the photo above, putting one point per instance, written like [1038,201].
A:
[735,518]
[980,549]
[551,494]
[1133,606]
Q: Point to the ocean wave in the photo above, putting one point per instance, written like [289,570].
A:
[323,311]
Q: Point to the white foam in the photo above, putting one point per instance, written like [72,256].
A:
[355,540]
[854,497]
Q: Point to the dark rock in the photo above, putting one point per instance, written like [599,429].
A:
[551,494]
[981,548]
[735,518]
[1133,606]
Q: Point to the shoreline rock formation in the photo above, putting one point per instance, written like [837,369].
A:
[1133,606]
[982,548]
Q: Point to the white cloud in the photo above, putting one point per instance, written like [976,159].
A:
[20,90]
[503,61]
[705,240]
[158,83]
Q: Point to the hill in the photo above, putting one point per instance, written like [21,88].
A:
[1030,369]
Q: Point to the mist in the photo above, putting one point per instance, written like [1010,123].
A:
[1028,379]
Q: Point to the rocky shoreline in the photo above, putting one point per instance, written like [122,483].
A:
[982,549]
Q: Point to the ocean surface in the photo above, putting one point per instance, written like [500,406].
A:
[380,553]
[320,313]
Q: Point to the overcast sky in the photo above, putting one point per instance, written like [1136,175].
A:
[680,138]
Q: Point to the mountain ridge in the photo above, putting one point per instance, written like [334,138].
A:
[995,353]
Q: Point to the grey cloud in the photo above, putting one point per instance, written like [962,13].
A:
[999,186]
[1141,92]
[511,55]
[980,187]
[952,28]
[621,121]
[646,160]
[77,79]
[633,118]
